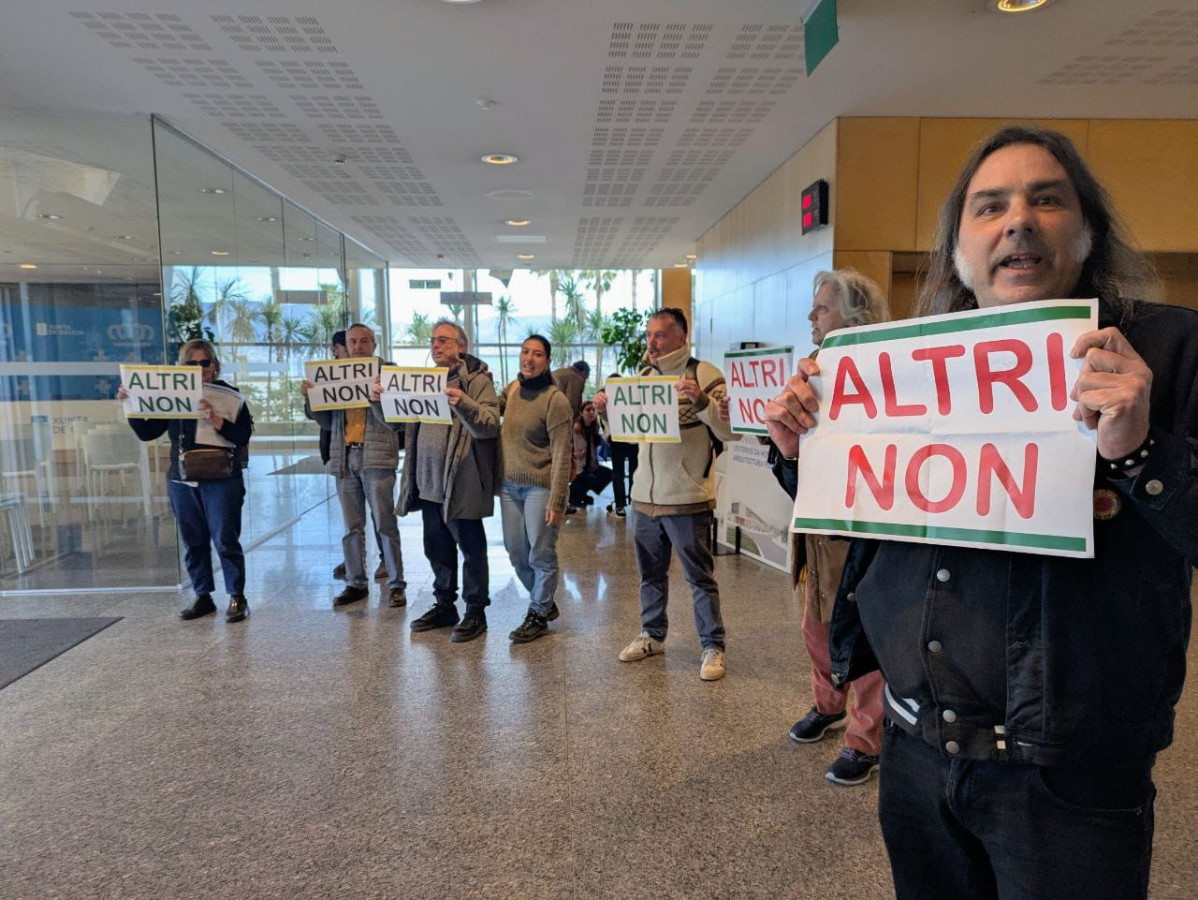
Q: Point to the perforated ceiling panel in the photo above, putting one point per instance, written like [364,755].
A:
[391,230]
[762,42]
[649,40]
[142,31]
[276,34]
[236,106]
[1158,49]
[593,239]
[310,74]
[643,236]
[195,73]
[446,237]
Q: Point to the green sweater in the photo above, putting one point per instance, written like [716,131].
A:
[535,440]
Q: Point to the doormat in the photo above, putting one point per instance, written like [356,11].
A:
[26,644]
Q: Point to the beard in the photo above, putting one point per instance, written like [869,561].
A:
[1078,254]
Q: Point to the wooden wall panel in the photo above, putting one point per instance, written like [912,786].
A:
[1151,171]
[875,265]
[877,175]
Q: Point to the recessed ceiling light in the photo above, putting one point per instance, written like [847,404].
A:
[525,256]
[1016,6]
[517,223]
[124,237]
[176,253]
[53,216]
[459,2]
[268,218]
[28,266]
[212,190]
[682,265]
[500,159]
[692,256]
[220,252]
[307,239]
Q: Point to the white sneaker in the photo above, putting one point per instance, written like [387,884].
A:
[712,666]
[642,645]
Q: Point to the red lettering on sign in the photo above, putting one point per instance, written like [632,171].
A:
[848,370]
[893,409]
[938,357]
[1056,371]
[883,491]
[987,377]
[1023,497]
[915,488]
[752,410]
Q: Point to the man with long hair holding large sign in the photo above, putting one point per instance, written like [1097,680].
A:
[1029,694]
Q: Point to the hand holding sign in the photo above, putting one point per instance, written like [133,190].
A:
[1112,391]
[792,413]
[413,394]
[754,377]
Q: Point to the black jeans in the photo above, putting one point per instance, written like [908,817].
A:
[442,540]
[586,482]
[962,829]
[624,458]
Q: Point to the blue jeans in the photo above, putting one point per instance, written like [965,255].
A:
[690,537]
[356,490]
[531,544]
[442,540]
[987,830]
[210,512]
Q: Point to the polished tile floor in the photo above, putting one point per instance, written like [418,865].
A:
[313,753]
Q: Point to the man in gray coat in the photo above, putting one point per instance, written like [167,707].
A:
[449,474]
[363,455]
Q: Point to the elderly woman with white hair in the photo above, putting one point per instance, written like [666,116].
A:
[842,298]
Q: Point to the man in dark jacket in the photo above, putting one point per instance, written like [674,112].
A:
[449,474]
[364,454]
[1029,695]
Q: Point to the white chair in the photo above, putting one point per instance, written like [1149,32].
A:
[108,454]
[13,508]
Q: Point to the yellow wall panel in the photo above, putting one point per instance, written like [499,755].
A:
[877,170]
[1151,171]
[873,264]
[945,145]
[676,290]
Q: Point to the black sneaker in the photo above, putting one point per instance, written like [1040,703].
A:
[397,597]
[852,767]
[554,612]
[238,609]
[813,726]
[472,626]
[201,606]
[437,617]
[532,628]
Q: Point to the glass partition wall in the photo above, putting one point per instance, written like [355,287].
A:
[119,239]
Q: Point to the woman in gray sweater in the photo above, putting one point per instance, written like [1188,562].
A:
[535,439]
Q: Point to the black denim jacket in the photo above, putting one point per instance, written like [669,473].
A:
[1092,651]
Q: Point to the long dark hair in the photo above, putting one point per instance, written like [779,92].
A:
[1113,270]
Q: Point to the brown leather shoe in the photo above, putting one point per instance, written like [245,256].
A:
[397,597]
[351,594]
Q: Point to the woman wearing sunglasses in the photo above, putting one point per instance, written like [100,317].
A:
[207,499]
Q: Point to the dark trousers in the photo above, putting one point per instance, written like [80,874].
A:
[595,481]
[989,830]
[689,536]
[442,540]
[208,513]
[624,458]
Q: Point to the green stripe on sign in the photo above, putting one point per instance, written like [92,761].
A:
[932,532]
[758,351]
[922,329]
